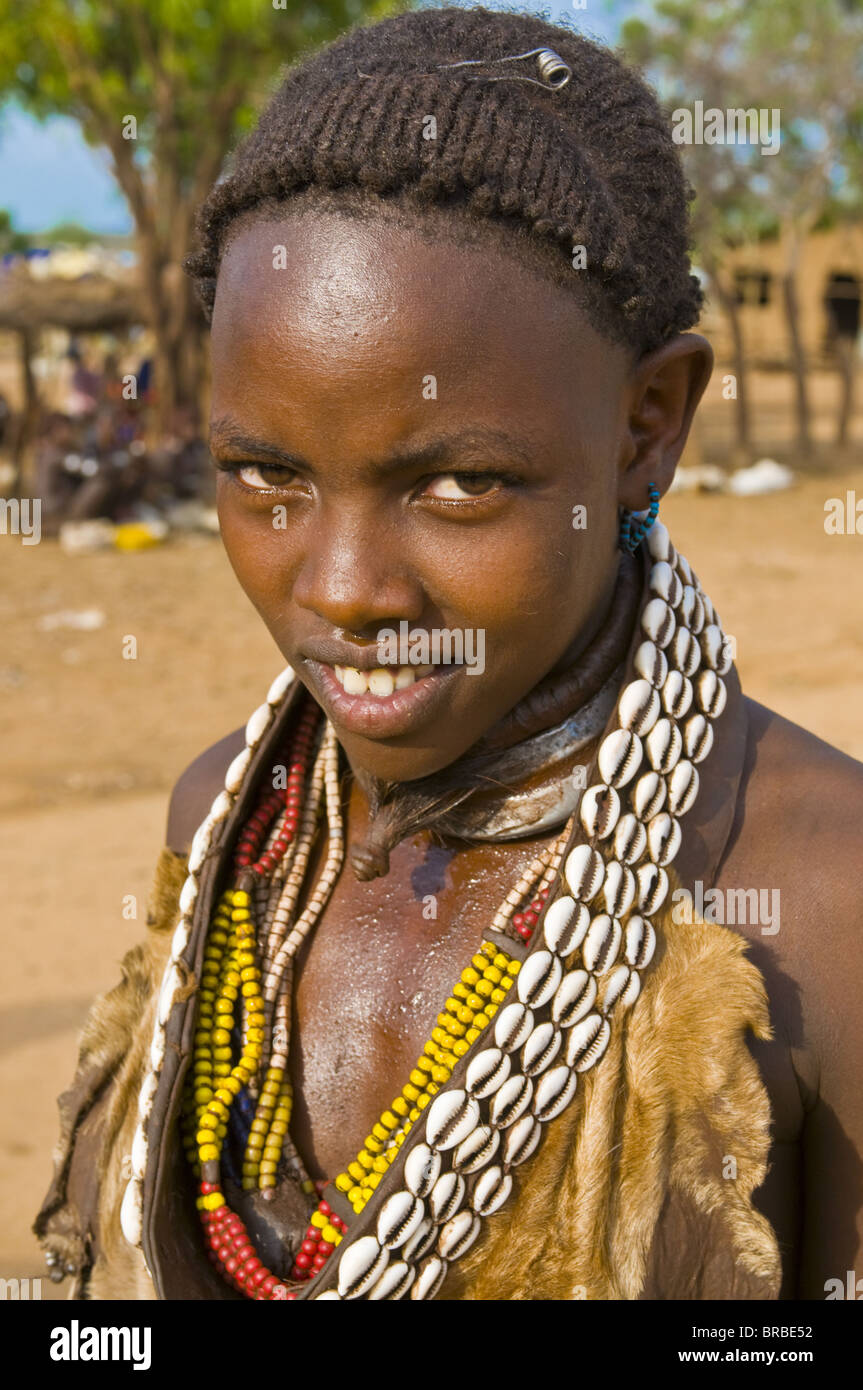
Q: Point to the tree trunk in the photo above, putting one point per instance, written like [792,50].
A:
[179,369]
[847,358]
[29,414]
[175,319]
[797,351]
[798,365]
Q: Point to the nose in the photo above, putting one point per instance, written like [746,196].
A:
[355,577]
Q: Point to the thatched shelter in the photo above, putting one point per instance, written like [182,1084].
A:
[91,303]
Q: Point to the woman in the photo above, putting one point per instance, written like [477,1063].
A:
[448,287]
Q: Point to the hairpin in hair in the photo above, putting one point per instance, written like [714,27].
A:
[553,71]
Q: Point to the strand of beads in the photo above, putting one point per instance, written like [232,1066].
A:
[323,1233]
[231,972]
[230,964]
[524,922]
[272,1115]
[268,1134]
[211,1070]
[232,1252]
[475,999]
[265,992]
[248,854]
[534,884]
[203,1076]
[265,863]
[282,948]
[632,532]
[284,944]
[285,900]
[284,892]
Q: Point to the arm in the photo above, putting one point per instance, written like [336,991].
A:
[197,788]
[832,1144]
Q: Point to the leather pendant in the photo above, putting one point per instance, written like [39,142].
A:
[276,1221]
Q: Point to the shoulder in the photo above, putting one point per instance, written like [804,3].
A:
[796,843]
[800,837]
[797,837]
[796,850]
[802,795]
[797,831]
[197,788]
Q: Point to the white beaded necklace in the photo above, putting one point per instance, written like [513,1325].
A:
[572,985]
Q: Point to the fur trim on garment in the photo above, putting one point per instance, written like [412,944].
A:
[641,1189]
[99,1114]
[631,1193]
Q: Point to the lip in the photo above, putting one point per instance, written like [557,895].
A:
[382,716]
[323,653]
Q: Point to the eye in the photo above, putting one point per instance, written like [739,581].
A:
[461,487]
[261,477]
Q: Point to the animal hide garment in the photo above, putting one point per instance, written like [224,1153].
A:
[641,1189]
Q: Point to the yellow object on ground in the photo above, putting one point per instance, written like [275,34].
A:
[136,535]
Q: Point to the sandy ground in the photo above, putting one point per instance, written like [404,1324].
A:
[91,744]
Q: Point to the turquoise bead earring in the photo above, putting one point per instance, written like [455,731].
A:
[629,539]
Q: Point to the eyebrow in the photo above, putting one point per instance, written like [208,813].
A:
[444,448]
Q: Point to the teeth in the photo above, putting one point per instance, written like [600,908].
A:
[354,681]
[382,681]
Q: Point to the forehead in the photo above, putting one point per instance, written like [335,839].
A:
[323,311]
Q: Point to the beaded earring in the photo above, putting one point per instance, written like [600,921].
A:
[629,539]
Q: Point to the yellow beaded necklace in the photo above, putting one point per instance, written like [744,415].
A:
[241,1053]
[473,1003]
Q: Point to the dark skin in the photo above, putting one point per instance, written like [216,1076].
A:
[324,362]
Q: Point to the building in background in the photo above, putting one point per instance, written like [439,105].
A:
[829,285]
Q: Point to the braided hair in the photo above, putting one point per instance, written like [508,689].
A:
[370,126]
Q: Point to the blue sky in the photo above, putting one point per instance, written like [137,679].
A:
[49,174]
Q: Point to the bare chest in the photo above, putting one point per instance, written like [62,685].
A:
[380,966]
[382,962]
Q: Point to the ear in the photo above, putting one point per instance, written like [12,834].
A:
[664,390]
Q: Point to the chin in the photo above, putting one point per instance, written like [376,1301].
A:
[398,764]
[404,732]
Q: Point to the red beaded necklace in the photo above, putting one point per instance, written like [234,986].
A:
[230,1247]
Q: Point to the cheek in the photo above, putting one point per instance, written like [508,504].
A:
[538,578]
[528,583]
[255,548]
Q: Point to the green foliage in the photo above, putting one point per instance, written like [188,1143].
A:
[804,60]
[192,75]
[66,234]
[10,240]
[166,62]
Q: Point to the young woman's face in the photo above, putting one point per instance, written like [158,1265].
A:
[403,431]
